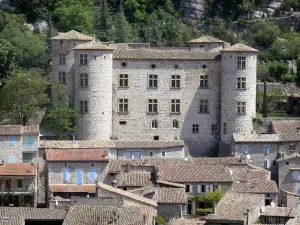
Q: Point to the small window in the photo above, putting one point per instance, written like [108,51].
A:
[278,220]
[187,188]
[123,105]
[203,81]
[66,165]
[266,163]
[92,165]
[201,46]
[83,106]
[122,122]
[175,124]
[62,77]
[163,153]
[241,62]
[152,81]
[203,106]
[175,106]
[61,43]
[84,80]
[245,149]
[214,128]
[93,175]
[153,66]
[95,57]
[156,138]
[83,59]
[151,153]
[105,58]
[175,66]
[124,64]
[204,66]
[62,58]
[287,163]
[154,124]
[241,82]
[175,81]
[241,108]
[274,162]
[123,80]
[224,128]
[202,188]
[152,106]
[20,183]
[11,140]
[195,128]
[267,149]
[292,147]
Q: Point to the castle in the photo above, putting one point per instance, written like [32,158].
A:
[201,94]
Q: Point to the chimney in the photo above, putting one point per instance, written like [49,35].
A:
[214,209]
[74,136]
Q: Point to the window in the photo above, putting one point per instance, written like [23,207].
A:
[241,62]
[241,82]
[175,106]
[175,81]
[66,176]
[203,188]
[62,77]
[266,164]
[79,177]
[93,175]
[152,81]
[241,107]
[151,153]
[65,164]
[83,59]
[83,106]
[187,188]
[203,106]
[124,64]
[245,149]
[267,149]
[156,138]
[29,142]
[292,147]
[122,122]
[203,81]
[204,66]
[152,105]
[153,66]
[287,163]
[132,155]
[123,105]
[154,124]
[20,183]
[163,153]
[62,58]
[92,165]
[278,220]
[123,80]
[11,140]
[28,157]
[7,184]
[224,128]
[84,80]
[195,128]
[175,124]
[215,187]
[176,66]
[214,128]
[95,57]
[61,43]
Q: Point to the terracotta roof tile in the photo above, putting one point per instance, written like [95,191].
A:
[206,39]
[239,48]
[184,221]
[261,187]
[171,184]
[93,45]
[76,155]
[87,188]
[135,179]
[11,129]
[287,130]
[171,196]
[72,35]
[18,169]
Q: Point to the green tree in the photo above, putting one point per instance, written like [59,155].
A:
[160,221]
[7,58]
[22,96]
[262,71]
[124,31]
[277,69]
[74,15]
[209,198]
[135,10]
[265,100]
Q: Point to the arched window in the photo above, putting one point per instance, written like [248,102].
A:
[175,124]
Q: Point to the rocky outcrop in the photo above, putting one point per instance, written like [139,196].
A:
[191,9]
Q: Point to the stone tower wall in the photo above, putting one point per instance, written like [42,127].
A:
[97,123]
[230,95]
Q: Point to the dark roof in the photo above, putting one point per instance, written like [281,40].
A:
[171,196]
[135,179]
[234,206]
[206,39]
[126,215]
[93,45]
[18,215]
[85,188]
[287,130]
[18,169]
[156,54]
[194,172]
[76,155]
[72,35]
[239,48]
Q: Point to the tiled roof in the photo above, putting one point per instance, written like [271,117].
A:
[18,169]
[279,211]
[263,186]
[32,129]
[127,215]
[18,215]
[127,194]
[239,48]
[234,206]
[86,188]
[257,175]
[184,221]
[172,184]
[76,155]
[72,35]
[143,191]
[110,144]
[155,54]
[93,45]
[11,129]
[256,137]
[135,179]
[287,130]
[287,157]
[171,196]
[193,172]
[206,39]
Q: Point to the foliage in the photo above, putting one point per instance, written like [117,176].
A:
[135,10]
[277,69]
[287,77]
[124,32]
[265,100]
[262,71]
[205,210]
[7,58]
[22,96]
[209,198]
[159,220]
[274,97]
[297,78]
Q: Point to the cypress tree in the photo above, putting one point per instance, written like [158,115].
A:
[265,100]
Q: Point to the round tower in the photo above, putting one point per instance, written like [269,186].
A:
[93,91]
[238,91]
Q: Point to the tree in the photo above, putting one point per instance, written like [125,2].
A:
[124,31]
[22,96]
[159,220]
[135,10]
[265,100]
[209,198]
[7,58]
[277,69]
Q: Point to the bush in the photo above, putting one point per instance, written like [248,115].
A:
[205,210]
[287,77]
[160,221]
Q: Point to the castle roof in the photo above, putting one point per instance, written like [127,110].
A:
[72,35]
[206,39]
[239,48]
[93,45]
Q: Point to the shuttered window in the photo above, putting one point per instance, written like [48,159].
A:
[66,176]
[93,175]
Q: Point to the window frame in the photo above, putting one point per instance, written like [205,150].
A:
[152,105]
[224,128]
[123,105]
[131,154]
[241,108]
[84,80]
[62,77]
[241,83]
[152,81]
[62,58]
[204,106]
[154,124]
[11,140]
[83,106]
[241,62]
[123,80]
[175,106]
[214,128]
[175,122]
[195,128]
[176,81]
[203,81]
[83,59]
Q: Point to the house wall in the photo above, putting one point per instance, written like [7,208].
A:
[289,200]
[286,181]
[169,211]
[189,94]
[195,189]
[272,220]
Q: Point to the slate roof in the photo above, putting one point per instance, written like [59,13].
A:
[93,45]
[263,186]
[239,48]
[156,54]
[172,184]
[193,172]
[18,215]
[127,194]
[266,138]
[11,129]
[76,155]
[85,188]
[171,196]
[72,35]
[279,211]
[234,206]
[287,130]
[206,39]
[135,179]
[18,169]
[127,215]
